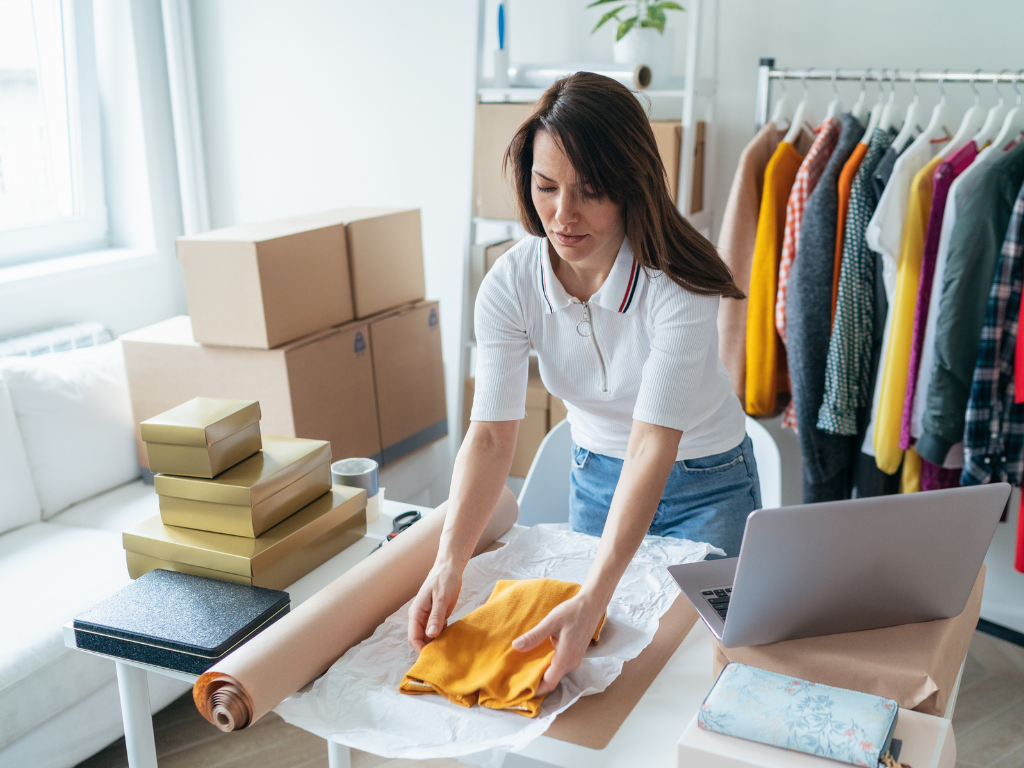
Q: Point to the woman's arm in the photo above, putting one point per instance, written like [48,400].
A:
[650,454]
[483,463]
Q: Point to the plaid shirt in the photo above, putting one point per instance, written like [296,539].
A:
[807,177]
[994,429]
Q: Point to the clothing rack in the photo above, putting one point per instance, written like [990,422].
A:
[766,72]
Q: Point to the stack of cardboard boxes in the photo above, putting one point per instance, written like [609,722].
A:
[237,505]
[320,318]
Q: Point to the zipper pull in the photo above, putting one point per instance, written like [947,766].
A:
[584,327]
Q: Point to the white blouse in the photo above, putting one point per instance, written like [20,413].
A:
[642,348]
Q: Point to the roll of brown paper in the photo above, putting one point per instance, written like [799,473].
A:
[239,690]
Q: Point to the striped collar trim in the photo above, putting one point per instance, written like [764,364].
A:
[617,294]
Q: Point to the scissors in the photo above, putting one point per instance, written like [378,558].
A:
[399,524]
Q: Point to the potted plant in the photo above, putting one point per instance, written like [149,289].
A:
[640,37]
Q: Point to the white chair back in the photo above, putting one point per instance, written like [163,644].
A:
[544,497]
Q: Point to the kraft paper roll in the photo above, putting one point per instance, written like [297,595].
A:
[239,690]
[637,77]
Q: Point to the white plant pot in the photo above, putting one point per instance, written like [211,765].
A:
[645,45]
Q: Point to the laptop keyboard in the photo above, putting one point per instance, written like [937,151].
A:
[718,599]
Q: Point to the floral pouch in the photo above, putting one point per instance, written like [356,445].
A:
[846,726]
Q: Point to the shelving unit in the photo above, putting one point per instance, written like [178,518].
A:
[692,103]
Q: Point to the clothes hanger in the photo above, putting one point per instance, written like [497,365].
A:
[875,116]
[803,119]
[910,121]
[994,120]
[971,123]
[936,131]
[860,109]
[1013,123]
[834,106]
[885,120]
[781,112]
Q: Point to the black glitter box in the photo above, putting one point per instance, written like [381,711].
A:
[178,621]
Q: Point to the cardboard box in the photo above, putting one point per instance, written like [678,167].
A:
[668,134]
[202,437]
[252,496]
[556,411]
[409,375]
[385,255]
[320,387]
[493,197]
[263,285]
[533,428]
[283,554]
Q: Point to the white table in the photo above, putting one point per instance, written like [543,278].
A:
[648,736]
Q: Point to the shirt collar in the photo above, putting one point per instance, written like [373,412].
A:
[617,294]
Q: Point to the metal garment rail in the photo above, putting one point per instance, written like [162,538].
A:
[766,72]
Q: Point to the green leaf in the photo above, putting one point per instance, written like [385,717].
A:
[625,26]
[653,24]
[601,2]
[668,5]
[654,13]
[614,14]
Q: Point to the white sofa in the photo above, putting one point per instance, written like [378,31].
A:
[68,487]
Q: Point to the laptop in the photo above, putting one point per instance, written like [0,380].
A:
[844,566]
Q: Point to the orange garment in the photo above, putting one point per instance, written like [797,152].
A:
[766,361]
[845,182]
[473,662]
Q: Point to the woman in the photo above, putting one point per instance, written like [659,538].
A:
[619,296]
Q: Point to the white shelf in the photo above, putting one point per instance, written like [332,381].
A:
[518,95]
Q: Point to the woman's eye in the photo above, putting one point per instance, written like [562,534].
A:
[545,189]
[589,194]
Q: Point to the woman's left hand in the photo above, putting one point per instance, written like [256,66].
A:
[570,627]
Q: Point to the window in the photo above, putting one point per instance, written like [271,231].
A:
[51,185]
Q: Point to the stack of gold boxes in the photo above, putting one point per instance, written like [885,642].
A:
[237,505]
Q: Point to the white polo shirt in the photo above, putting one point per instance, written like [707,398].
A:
[651,354]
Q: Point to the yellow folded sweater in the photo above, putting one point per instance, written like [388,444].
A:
[473,662]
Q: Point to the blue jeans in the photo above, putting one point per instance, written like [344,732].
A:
[706,499]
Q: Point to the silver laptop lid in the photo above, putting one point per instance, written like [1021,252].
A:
[819,569]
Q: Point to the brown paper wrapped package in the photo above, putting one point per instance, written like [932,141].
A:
[239,690]
[915,664]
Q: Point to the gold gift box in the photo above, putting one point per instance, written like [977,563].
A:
[276,559]
[252,496]
[202,437]
[241,519]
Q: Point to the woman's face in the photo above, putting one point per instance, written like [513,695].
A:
[578,223]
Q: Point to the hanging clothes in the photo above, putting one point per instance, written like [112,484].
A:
[888,453]
[974,249]
[945,174]
[883,172]
[736,243]
[845,190]
[826,458]
[806,181]
[994,429]
[848,378]
[766,377]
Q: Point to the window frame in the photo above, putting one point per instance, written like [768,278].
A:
[87,229]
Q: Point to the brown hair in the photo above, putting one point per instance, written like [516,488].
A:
[604,132]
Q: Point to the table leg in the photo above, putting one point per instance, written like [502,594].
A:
[137,715]
[338,755]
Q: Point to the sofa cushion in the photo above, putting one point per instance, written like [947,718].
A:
[19,503]
[75,419]
[51,574]
[114,510]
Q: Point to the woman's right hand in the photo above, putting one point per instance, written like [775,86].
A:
[433,604]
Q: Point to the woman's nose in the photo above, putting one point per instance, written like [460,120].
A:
[566,213]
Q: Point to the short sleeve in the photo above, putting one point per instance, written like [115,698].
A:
[503,348]
[678,387]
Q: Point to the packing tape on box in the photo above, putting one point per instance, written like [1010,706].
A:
[240,689]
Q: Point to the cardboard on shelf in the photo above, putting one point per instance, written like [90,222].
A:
[204,461]
[409,374]
[277,558]
[318,387]
[263,285]
[668,135]
[244,519]
[493,197]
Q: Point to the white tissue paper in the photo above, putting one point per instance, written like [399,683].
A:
[357,701]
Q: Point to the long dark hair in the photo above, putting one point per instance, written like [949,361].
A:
[604,132]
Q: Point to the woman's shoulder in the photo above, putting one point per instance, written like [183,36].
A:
[665,293]
[522,254]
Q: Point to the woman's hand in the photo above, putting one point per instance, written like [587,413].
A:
[433,604]
[570,627]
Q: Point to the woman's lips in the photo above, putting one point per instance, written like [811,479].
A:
[568,239]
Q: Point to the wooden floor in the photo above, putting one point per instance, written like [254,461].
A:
[988,723]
